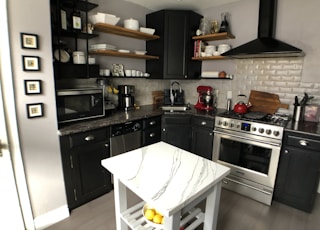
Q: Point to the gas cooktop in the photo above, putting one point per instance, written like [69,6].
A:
[278,119]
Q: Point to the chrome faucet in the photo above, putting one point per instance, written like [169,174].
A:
[172,94]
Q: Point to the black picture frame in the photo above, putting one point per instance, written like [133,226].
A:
[29,41]
[32,87]
[35,110]
[31,63]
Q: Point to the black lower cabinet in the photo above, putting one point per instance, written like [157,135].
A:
[202,137]
[151,130]
[298,172]
[85,177]
[176,130]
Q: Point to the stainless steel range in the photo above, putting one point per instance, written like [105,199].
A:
[250,145]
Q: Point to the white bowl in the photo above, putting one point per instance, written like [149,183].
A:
[147,30]
[140,52]
[146,206]
[104,18]
[131,24]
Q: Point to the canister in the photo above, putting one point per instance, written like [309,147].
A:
[79,57]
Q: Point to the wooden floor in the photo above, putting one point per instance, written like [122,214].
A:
[236,213]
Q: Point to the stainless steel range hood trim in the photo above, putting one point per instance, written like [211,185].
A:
[265,46]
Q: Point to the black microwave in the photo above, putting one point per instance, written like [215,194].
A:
[79,104]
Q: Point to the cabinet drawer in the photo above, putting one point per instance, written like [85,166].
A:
[88,137]
[151,136]
[151,122]
[176,120]
[304,143]
[198,121]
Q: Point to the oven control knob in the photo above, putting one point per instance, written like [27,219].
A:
[261,130]
[254,129]
[268,131]
[225,123]
[220,122]
[276,133]
[231,125]
[238,125]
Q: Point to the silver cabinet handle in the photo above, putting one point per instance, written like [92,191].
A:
[203,123]
[303,143]
[152,134]
[106,145]
[89,138]
[152,123]
[286,151]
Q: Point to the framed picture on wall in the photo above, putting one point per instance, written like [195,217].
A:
[29,41]
[32,86]
[31,63]
[35,110]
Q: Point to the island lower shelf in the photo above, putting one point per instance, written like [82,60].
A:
[133,217]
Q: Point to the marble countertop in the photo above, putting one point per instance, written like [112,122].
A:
[165,176]
[118,117]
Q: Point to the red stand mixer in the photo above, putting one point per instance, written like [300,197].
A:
[206,98]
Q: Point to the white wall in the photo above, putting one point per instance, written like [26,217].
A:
[38,136]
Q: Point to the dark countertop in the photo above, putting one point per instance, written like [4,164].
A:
[118,117]
[304,127]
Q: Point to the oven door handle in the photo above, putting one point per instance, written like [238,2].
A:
[245,138]
[246,185]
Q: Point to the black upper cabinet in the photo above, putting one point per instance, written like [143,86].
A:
[175,46]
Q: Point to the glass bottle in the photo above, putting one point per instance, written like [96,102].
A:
[76,20]
[224,27]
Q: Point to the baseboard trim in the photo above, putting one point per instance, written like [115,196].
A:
[52,217]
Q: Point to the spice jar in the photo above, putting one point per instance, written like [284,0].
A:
[204,26]
[79,57]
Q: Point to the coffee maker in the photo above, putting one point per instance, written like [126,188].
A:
[126,97]
[206,99]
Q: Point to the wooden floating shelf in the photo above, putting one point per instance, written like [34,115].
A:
[119,54]
[210,58]
[118,30]
[213,37]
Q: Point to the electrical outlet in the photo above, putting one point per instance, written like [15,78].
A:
[229,95]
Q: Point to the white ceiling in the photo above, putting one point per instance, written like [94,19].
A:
[180,4]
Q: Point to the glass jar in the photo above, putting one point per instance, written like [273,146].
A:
[215,27]
[204,26]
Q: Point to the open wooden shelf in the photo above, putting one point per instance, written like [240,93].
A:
[118,30]
[119,54]
[210,58]
[213,37]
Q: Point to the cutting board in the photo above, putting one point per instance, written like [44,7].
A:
[265,102]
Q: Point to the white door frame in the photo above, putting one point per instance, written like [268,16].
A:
[15,191]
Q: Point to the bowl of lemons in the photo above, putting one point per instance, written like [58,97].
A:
[152,216]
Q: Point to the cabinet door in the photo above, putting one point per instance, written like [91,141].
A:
[176,130]
[175,46]
[202,142]
[297,178]
[90,178]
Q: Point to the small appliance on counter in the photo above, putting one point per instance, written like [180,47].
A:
[206,99]
[126,97]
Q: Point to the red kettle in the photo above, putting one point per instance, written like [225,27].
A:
[241,107]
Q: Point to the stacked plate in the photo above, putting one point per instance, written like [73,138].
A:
[102,47]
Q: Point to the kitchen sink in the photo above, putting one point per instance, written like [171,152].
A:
[173,108]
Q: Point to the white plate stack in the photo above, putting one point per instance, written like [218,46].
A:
[102,47]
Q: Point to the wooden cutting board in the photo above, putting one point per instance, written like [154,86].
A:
[265,102]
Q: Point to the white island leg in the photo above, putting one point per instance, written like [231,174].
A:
[212,208]
[120,199]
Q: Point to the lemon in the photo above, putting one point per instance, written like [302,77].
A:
[149,214]
[157,219]
[162,221]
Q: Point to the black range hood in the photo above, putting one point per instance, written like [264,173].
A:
[265,45]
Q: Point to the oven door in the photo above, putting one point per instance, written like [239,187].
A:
[249,157]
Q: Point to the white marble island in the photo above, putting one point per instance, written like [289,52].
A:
[170,179]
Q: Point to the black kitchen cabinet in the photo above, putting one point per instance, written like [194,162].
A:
[175,46]
[176,130]
[151,130]
[85,178]
[298,171]
[202,137]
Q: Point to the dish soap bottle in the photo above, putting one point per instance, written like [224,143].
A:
[224,27]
